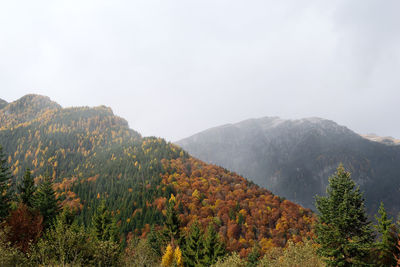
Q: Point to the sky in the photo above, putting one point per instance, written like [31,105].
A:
[174,68]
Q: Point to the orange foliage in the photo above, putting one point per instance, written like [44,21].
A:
[244,213]
[25,227]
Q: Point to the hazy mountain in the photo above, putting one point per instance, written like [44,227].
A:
[93,155]
[294,158]
[25,109]
[3,103]
[385,139]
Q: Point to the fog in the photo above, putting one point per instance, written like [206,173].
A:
[173,68]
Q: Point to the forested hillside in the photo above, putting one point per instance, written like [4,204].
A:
[294,158]
[92,156]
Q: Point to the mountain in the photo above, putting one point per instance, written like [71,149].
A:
[385,140]
[93,156]
[25,109]
[294,158]
[3,103]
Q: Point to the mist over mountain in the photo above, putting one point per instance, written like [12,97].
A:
[294,158]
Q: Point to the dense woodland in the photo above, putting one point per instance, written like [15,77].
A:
[78,187]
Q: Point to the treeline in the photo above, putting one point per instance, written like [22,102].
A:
[78,187]
[92,156]
[36,230]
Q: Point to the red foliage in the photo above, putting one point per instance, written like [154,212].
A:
[25,227]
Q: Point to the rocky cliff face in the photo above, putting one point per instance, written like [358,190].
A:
[294,158]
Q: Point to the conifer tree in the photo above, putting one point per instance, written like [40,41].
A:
[5,191]
[154,240]
[387,240]
[45,201]
[343,230]
[172,221]
[213,247]
[254,255]
[193,253]
[103,224]
[27,189]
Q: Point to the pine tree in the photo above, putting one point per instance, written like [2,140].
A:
[193,253]
[172,221]
[387,241]
[343,230]
[5,191]
[45,201]
[254,255]
[103,224]
[213,247]
[27,189]
[155,241]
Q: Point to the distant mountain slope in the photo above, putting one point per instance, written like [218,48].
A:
[25,109]
[385,140]
[294,158]
[93,155]
[3,103]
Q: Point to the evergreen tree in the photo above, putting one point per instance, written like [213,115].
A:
[193,253]
[213,247]
[45,201]
[63,245]
[27,189]
[343,230]
[172,221]
[254,255]
[155,241]
[5,191]
[103,224]
[387,241]
[67,216]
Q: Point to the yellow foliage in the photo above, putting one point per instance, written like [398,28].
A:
[266,244]
[196,194]
[172,199]
[178,257]
[168,257]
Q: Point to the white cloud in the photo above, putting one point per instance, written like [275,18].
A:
[176,67]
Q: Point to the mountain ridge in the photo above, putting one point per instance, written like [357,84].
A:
[3,103]
[294,158]
[93,156]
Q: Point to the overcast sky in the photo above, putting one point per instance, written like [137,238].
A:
[173,68]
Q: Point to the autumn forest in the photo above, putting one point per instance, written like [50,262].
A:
[78,187]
